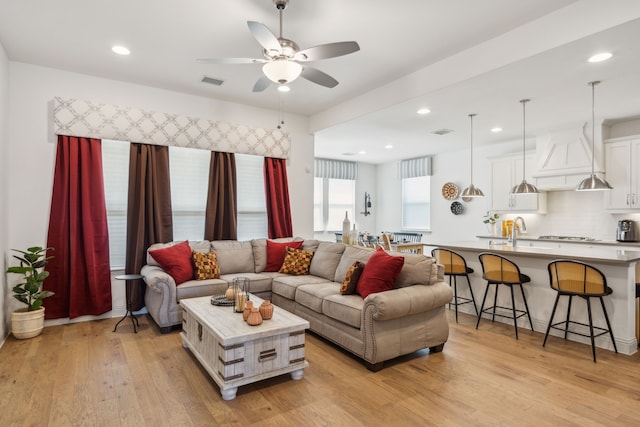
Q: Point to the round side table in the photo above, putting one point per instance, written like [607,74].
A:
[128,278]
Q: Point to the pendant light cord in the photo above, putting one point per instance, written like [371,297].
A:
[593,125]
[524,136]
[471,118]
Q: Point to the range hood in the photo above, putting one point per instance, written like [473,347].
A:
[563,158]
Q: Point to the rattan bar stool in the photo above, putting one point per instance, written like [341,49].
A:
[573,278]
[498,270]
[455,266]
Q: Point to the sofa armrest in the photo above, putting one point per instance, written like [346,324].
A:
[159,281]
[408,300]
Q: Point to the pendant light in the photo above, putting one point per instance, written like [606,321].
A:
[472,190]
[593,183]
[524,187]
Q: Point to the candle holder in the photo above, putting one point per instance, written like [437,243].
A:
[240,293]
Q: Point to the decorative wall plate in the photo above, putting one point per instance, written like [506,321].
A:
[450,191]
[457,208]
[466,199]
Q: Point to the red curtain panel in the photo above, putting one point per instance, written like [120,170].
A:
[79,273]
[277,195]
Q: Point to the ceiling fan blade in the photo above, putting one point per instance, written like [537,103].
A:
[262,83]
[318,77]
[265,37]
[325,51]
[231,61]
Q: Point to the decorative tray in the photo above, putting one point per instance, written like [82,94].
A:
[221,300]
[450,191]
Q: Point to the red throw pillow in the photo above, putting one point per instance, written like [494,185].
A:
[380,273]
[176,261]
[276,253]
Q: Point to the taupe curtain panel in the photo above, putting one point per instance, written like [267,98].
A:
[412,168]
[222,201]
[149,217]
[335,169]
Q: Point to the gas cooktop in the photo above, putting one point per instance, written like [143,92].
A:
[573,238]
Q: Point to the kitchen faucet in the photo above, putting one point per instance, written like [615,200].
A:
[513,230]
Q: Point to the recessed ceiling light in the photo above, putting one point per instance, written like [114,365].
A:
[362,152]
[121,50]
[283,88]
[423,111]
[388,146]
[599,57]
[496,129]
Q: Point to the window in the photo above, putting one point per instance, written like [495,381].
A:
[189,169]
[115,168]
[416,200]
[331,199]
[252,206]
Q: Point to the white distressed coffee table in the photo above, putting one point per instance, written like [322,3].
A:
[234,353]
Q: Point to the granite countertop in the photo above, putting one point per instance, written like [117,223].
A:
[597,253]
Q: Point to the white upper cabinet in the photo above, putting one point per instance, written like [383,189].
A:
[622,163]
[507,172]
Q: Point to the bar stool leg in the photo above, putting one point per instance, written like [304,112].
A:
[495,302]
[566,325]
[513,310]
[553,313]
[455,295]
[606,317]
[486,290]
[526,307]
[475,306]
[593,344]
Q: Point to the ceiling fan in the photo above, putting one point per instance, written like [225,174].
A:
[283,58]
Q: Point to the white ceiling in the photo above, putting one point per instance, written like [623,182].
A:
[396,39]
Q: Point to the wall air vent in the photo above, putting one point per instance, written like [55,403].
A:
[442,131]
[212,81]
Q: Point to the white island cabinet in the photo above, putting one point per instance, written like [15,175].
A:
[617,264]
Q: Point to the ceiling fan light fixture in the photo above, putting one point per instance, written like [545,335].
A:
[284,88]
[282,71]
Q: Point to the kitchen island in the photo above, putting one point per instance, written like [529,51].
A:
[618,265]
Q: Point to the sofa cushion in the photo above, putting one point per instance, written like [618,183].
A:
[417,270]
[350,280]
[351,255]
[286,285]
[296,262]
[203,246]
[259,247]
[175,261]
[234,256]
[276,252]
[326,260]
[206,265]
[258,282]
[344,308]
[311,296]
[380,273]
[200,288]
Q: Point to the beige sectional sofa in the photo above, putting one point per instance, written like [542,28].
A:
[380,327]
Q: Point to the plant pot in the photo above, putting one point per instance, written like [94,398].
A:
[27,324]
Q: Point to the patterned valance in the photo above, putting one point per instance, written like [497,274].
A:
[335,169]
[412,168]
[104,121]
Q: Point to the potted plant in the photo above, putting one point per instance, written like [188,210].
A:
[28,322]
[490,219]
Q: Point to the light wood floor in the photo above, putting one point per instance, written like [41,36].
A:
[85,375]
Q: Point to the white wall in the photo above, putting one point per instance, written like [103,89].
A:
[4,163]
[32,147]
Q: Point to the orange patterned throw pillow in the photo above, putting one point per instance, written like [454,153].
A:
[206,265]
[296,262]
[350,281]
